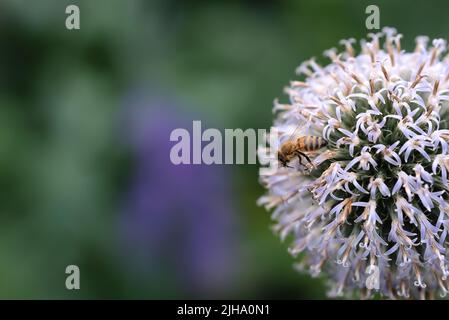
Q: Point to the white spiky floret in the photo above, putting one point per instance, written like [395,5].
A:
[377,195]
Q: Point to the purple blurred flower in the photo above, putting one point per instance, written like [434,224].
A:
[178,218]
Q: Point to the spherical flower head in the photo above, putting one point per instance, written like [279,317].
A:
[370,210]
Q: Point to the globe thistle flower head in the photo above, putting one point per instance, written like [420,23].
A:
[376,197]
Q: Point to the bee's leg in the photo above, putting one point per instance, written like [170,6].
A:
[299,153]
[285,165]
[300,160]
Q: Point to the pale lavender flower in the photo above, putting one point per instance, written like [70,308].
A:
[351,177]
[418,143]
[332,124]
[377,196]
[407,182]
[364,161]
[403,206]
[440,137]
[406,123]
[422,175]
[388,153]
[441,161]
[378,184]
[351,139]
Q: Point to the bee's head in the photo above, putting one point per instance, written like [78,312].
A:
[281,159]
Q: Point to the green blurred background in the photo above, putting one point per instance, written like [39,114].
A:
[84,123]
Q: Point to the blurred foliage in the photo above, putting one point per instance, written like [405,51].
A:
[63,166]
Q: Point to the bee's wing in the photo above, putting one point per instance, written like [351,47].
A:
[294,132]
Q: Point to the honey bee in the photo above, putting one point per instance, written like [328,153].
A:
[299,148]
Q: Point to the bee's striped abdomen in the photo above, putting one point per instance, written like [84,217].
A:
[311,143]
[321,143]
